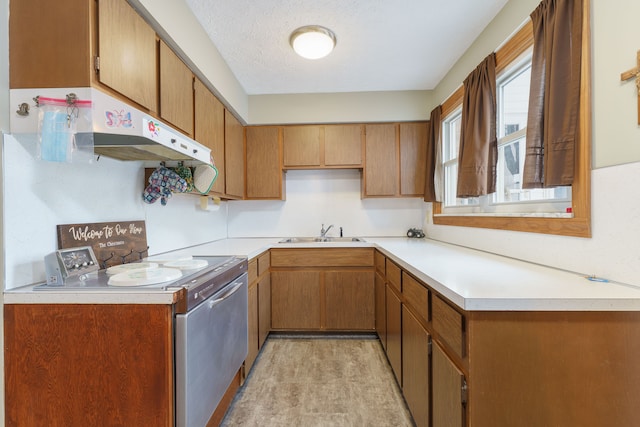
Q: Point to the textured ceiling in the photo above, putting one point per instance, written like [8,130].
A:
[382,45]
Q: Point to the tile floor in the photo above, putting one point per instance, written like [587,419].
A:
[323,381]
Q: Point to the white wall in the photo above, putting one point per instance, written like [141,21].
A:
[181,30]
[613,251]
[40,195]
[507,22]
[324,197]
[340,107]
[616,39]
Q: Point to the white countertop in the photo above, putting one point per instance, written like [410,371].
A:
[477,281]
[472,279]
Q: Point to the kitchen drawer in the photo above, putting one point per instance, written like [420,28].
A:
[264,263]
[253,270]
[416,296]
[380,262]
[448,323]
[394,275]
[322,257]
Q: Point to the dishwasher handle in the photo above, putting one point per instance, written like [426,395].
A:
[233,289]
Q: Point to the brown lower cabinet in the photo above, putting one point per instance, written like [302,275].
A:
[295,300]
[449,391]
[259,316]
[349,300]
[88,365]
[394,332]
[381,309]
[252,321]
[509,368]
[415,367]
[322,289]
[264,308]
[432,384]
[341,300]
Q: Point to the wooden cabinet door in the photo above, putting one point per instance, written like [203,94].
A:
[209,129]
[127,51]
[252,352]
[295,300]
[413,158]
[89,365]
[449,391]
[234,156]
[350,300]
[40,54]
[264,172]
[381,309]
[301,145]
[264,309]
[343,145]
[176,90]
[415,367]
[394,332]
[381,160]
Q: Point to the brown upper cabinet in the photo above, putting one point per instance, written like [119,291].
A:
[176,90]
[343,145]
[264,170]
[395,159]
[233,156]
[209,130]
[322,146]
[413,158]
[109,45]
[127,53]
[381,154]
[301,145]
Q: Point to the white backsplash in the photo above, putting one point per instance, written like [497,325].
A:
[613,252]
[316,197]
[39,195]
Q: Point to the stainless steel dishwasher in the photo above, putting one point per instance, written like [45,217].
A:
[211,344]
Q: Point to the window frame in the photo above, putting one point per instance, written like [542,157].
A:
[579,225]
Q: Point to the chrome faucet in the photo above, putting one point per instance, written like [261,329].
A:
[323,232]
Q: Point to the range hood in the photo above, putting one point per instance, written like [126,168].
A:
[118,130]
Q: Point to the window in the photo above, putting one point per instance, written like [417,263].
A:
[510,198]
[511,207]
[513,102]
[450,147]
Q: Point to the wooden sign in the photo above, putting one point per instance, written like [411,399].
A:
[113,243]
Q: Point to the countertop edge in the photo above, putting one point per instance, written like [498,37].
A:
[251,248]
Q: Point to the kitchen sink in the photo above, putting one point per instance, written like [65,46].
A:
[321,239]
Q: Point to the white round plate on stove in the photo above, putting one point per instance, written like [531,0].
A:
[189,264]
[163,259]
[145,277]
[116,269]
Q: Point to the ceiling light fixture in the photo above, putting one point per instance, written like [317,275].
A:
[313,41]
